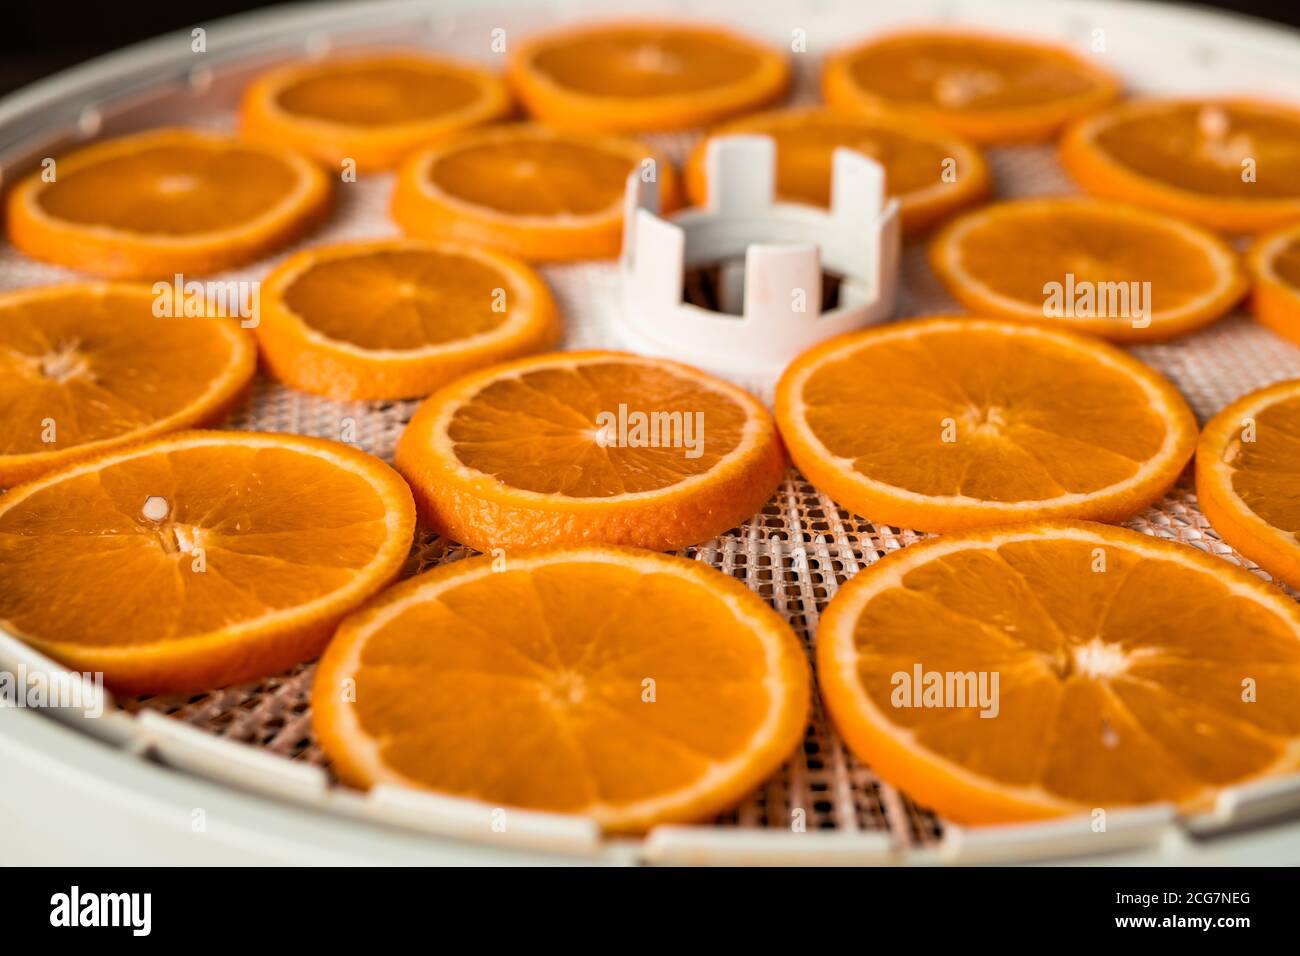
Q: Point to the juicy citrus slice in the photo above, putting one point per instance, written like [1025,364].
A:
[952,422]
[373,109]
[589,447]
[1247,476]
[1274,264]
[86,367]
[164,202]
[1129,670]
[536,193]
[1105,268]
[930,171]
[200,558]
[632,687]
[387,319]
[631,77]
[992,89]
[1231,164]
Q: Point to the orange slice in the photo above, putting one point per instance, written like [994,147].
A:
[374,109]
[1228,164]
[198,559]
[1274,264]
[1248,474]
[84,368]
[1129,670]
[1105,268]
[164,202]
[386,319]
[632,687]
[992,89]
[930,171]
[589,447]
[951,422]
[635,76]
[536,193]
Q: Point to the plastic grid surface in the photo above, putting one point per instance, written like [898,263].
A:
[795,552]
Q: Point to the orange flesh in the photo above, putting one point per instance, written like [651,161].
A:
[99,366]
[1201,149]
[1031,421]
[170,190]
[1115,687]
[805,148]
[550,662]
[1266,471]
[408,300]
[1286,264]
[631,64]
[378,95]
[1017,254]
[967,74]
[526,177]
[84,564]
[538,431]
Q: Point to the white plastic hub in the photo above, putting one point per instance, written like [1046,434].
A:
[771,307]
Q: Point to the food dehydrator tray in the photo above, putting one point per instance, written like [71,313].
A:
[824,805]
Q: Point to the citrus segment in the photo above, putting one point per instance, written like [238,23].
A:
[388,319]
[1247,475]
[947,423]
[632,687]
[992,89]
[1274,264]
[1040,670]
[532,192]
[631,77]
[372,109]
[589,446]
[198,559]
[86,367]
[930,171]
[166,201]
[1228,164]
[1108,269]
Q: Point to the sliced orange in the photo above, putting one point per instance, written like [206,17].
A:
[374,109]
[589,447]
[395,318]
[87,367]
[990,88]
[1129,670]
[632,687]
[1248,477]
[1274,264]
[532,192]
[1105,268]
[644,76]
[167,201]
[952,422]
[931,172]
[198,559]
[1228,164]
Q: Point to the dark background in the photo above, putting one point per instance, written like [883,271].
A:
[39,37]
